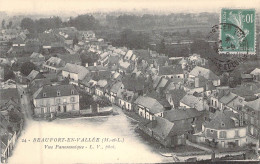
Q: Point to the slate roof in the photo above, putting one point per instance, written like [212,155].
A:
[170,70]
[55,62]
[51,91]
[222,117]
[256,71]
[177,95]
[36,55]
[132,83]
[128,55]
[181,114]
[152,104]
[73,59]
[124,65]
[77,69]
[193,102]
[102,83]
[228,98]
[162,128]
[115,87]
[208,74]
[33,74]
[255,105]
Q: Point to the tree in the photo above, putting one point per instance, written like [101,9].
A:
[28,23]
[8,74]
[10,24]
[75,41]
[3,23]
[27,67]
[162,48]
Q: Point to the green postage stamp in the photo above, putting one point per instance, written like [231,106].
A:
[238,31]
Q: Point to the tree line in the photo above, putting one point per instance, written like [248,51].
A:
[81,22]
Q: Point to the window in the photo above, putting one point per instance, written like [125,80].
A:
[223,134]
[58,100]
[64,100]
[73,107]
[48,109]
[211,131]
[44,94]
[58,93]
[72,92]
[59,108]
[222,124]
[72,99]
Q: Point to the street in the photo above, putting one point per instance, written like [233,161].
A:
[133,149]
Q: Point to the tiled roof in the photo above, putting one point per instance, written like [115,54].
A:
[181,114]
[208,74]
[128,55]
[51,91]
[152,104]
[177,94]
[133,83]
[170,70]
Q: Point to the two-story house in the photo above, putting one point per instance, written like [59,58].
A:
[226,130]
[53,64]
[74,73]
[148,107]
[206,73]
[55,99]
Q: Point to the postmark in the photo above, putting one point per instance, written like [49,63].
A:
[238,32]
[226,61]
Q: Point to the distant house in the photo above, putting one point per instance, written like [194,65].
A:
[251,115]
[247,77]
[191,101]
[129,55]
[174,97]
[35,84]
[37,58]
[34,75]
[171,71]
[100,87]
[10,93]
[126,99]
[74,73]
[206,73]
[19,42]
[161,61]
[148,107]
[164,131]
[55,99]
[134,83]
[256,74]
[115,90]
[72,59]
[188,120]
[124,67]
[53,64]
[225,130]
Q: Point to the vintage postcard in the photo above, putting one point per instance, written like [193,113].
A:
[129,81]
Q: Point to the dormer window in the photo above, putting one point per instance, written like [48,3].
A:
[44,94]
[222,124]
[58,93]
[72,92]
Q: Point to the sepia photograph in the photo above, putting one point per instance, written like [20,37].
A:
[129,81]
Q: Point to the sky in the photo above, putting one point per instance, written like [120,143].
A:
[84,6]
